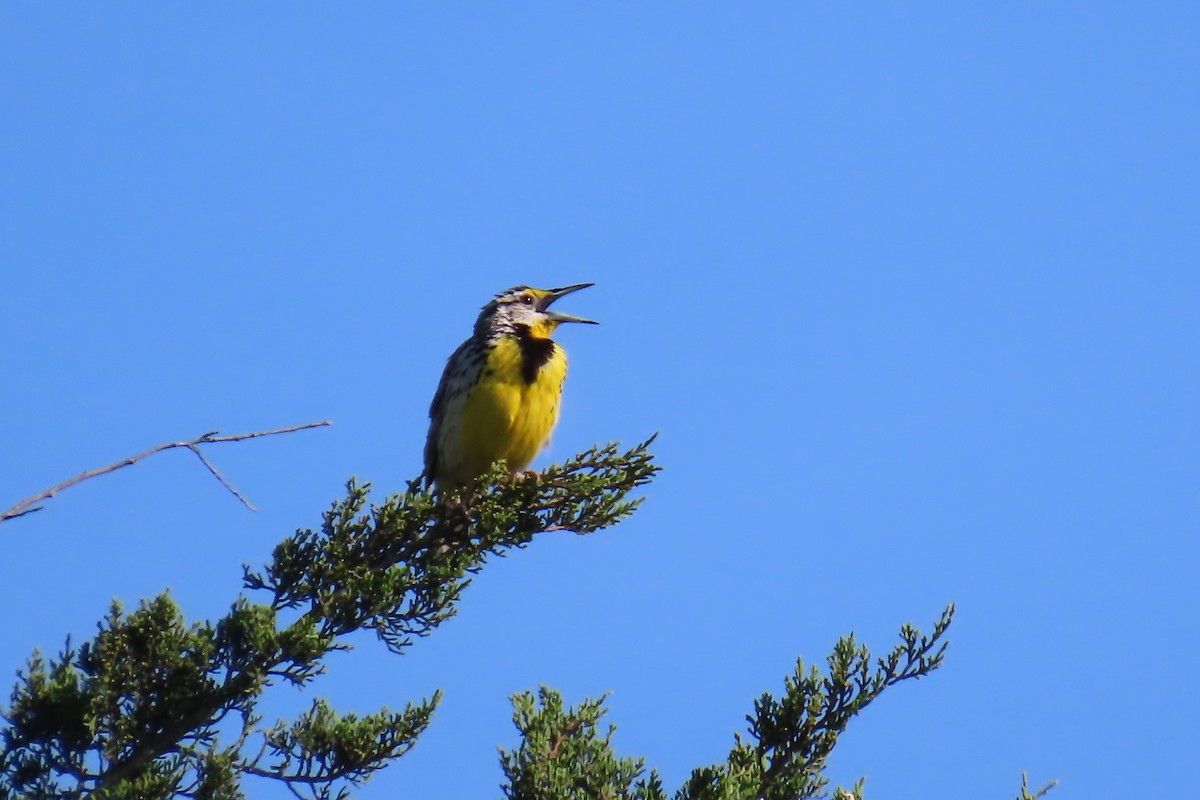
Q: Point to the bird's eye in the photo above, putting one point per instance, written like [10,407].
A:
[527,299]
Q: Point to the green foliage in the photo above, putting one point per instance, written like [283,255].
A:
[322,747]
[154,707]
[144,710]
[563,756]
[796,733]
[1037,795]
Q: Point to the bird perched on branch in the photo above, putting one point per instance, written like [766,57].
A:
[500,392]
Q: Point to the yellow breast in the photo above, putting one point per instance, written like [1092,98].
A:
[507,415]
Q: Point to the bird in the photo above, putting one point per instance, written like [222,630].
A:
[500,392]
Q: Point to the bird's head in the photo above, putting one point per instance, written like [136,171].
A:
[529,307]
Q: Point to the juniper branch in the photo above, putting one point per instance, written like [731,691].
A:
[137,711]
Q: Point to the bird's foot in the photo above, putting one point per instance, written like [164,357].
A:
[525,475]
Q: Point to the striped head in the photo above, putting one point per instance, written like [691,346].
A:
[523,308]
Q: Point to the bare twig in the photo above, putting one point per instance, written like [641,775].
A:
[220,477]
[28,505]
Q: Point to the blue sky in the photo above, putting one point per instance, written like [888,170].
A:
[910,293]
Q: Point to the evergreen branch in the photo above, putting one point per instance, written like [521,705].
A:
[795,733]
[399,568]
[135,712]
[563,754]
[28,505]
[1036,795]
[325,747]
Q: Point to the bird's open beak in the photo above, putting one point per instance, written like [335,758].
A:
[555,294]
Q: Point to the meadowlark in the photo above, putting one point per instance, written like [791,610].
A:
[500,392]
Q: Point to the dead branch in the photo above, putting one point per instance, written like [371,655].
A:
[28,505]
